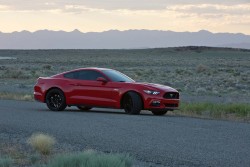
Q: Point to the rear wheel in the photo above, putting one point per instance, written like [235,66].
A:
[84,108]
[55,100]
[159,112]
[132,103]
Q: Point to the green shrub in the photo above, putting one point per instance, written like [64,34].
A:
[42,143]
[242,110]
[5,162]
[216,110]
[91,159]
[34,158]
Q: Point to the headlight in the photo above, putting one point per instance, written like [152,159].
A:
[151,92]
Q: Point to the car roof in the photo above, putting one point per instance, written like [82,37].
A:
[91,68]
[78,69]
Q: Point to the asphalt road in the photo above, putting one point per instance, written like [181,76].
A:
[158,140]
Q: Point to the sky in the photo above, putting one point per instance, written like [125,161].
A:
[101,15]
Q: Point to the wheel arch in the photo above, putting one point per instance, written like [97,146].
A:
[124,94]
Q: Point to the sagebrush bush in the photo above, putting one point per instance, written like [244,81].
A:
[47,67]
[201,68]
[91,159]
[16,74]
[42,143]
[5,162]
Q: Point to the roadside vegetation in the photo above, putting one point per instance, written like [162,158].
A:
[40,152]
[16,96]
[91,159]
[218,111]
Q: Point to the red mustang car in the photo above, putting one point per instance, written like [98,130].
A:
[101,87]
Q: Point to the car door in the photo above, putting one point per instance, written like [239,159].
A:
[88,91]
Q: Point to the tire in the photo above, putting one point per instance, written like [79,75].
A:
[55,100]
[84,108]
[132,103]
[159,112]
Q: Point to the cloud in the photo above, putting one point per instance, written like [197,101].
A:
[228,11]
[98,15]
[212,9]
[220,14]
[110,4]
[3,7]
[181,6]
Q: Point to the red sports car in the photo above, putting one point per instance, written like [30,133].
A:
[101,87]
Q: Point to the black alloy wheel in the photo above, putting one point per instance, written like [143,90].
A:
[55,100]
[132,103]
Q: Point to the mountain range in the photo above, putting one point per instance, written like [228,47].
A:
[114,39]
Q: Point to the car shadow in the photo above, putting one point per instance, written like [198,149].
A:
[109,111]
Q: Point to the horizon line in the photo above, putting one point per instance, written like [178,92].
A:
[77,30]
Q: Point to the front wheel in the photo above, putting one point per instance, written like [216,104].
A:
[84,108]
[55,100]
[132,103]
[159,112]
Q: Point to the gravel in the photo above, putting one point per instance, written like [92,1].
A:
[156,141]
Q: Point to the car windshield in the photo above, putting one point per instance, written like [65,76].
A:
[116,76]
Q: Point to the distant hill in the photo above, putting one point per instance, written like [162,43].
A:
[114,39]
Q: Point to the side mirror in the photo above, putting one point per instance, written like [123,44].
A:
[101,79]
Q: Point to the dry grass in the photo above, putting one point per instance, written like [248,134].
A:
[11,154]
[42,143]
[16,96]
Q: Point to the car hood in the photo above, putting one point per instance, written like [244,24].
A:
[152,86]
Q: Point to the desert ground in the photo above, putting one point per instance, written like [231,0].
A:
[219,75]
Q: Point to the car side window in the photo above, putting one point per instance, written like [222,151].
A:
[89,75]
[84,75]
[72,75]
